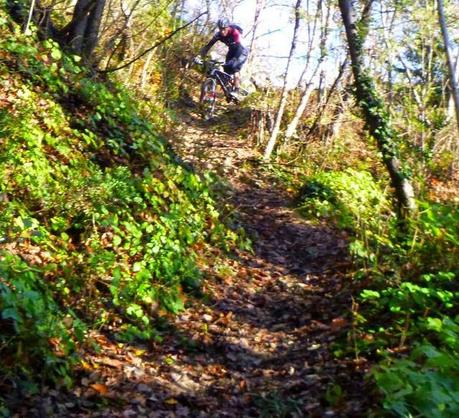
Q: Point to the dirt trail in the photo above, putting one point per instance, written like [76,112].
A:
[261,343]
[273,324]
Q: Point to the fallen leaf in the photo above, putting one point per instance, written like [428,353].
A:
[171,401]
[313,347]
[182,411]
[140,399]
[117,364]
[207,318]
[86,365]
[100,388]
[319,325]
[338,323]
[142,387]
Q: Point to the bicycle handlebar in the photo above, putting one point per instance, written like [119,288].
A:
[203,61]
[214,62]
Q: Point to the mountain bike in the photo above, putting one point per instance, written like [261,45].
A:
[215,77]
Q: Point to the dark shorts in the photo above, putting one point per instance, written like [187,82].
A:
[235,59]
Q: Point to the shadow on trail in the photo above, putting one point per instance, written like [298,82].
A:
[283,238]
[197,374]
[286,314]
[261,344]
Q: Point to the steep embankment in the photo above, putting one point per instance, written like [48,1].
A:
[99,223]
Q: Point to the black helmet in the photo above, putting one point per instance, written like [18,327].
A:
[223,23]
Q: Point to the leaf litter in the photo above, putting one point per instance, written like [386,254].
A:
[260,344]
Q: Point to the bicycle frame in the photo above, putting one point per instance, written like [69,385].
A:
[223,79]
[215,76]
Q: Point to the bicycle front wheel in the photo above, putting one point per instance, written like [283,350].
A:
[208,98]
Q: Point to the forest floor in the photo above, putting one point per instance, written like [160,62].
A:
[260,340]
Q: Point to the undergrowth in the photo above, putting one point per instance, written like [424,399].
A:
[407,316]
[99,223]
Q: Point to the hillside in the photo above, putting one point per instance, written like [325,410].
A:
[103,230]
[99,220]
[157,263]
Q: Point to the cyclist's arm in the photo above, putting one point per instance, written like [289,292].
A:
[211,43]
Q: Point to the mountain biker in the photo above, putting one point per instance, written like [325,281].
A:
[230,35]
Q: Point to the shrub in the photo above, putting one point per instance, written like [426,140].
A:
[412,292]
[351,198]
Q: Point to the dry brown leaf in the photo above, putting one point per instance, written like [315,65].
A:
[207,318]
[338,323]
[117,364]
[142,400]
[100,388]
[320,325]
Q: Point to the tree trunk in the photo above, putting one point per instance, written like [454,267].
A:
[29,19]
[341,110]
[338,118]
[283,101]
[292,126]
[451,112]
[388,17]
[324,103]
[452,76]
[376,117]
[145,72]
[82,33]
[258,9]
[92,31]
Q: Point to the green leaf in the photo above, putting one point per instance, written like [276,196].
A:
[370,294]
[135,310]
[117,240]
[56,54]
[435,324]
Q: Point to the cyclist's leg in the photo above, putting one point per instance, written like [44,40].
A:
[241,59]
[230,67]
[233,66]
[230,60]
[237,80]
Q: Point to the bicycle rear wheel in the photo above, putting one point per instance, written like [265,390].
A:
[208,98]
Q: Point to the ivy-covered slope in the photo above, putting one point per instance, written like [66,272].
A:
[98,221]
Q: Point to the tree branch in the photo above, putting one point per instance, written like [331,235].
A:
[110,70]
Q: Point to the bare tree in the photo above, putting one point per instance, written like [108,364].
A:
[260,5]
[29,18]
[387,16]
[284,95]
[339,114]
[122,37]
[451,107]
[82,33]
[291,128]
